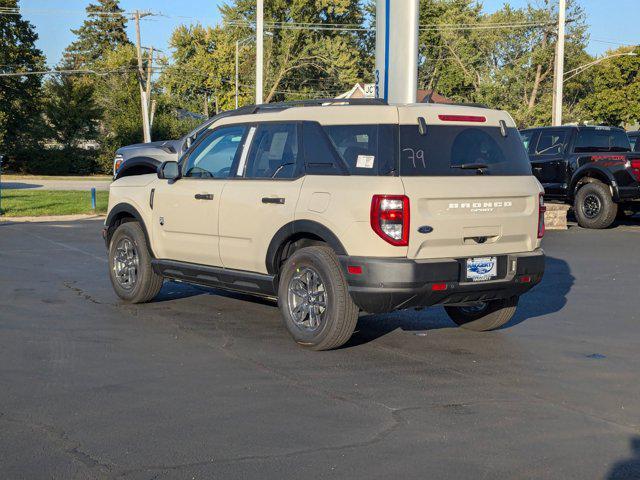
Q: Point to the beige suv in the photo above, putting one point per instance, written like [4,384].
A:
[335,207]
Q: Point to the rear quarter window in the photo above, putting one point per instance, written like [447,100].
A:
[445,148]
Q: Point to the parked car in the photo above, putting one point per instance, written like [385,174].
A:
[590,167]
[142,158]
[634,138]
[337,206]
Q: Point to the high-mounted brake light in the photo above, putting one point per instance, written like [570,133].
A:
[541,209]
[635,168]
[463,118]
[390,218]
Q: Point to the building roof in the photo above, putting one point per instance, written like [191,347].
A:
[358,92]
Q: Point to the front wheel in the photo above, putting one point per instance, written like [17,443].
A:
[130,270]
[594,207]
[314,299]
[483,316]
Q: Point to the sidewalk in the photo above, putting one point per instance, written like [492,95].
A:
[56,184]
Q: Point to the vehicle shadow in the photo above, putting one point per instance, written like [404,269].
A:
[546,298]
[628,469]
[176,290]
[19,186]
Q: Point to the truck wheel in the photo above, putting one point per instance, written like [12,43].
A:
[315,302]
[130,270]
[594,207]
[484,316]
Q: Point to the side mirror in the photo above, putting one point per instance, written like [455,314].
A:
[169,171]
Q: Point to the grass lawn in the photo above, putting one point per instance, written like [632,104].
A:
[35,203]
[10,177]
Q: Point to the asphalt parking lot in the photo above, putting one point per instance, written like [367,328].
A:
[203,384]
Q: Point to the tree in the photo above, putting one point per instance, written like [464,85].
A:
[102,31]
[615,89]
[71,111]
[20,103]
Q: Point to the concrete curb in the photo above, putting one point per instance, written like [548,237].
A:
[51,218]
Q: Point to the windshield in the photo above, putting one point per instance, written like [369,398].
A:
[602,139]
[454,150]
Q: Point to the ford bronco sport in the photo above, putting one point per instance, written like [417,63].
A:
[338,206]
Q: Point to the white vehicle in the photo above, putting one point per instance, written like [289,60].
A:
[340,206]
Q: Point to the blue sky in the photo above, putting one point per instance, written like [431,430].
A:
[614,21]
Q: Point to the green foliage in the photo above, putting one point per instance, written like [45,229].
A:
[20,103]
[614,97]
[102,31]
[71,111]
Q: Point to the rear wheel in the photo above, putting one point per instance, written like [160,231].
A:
[594,207]
[314,300]
[130,270]
[483,316]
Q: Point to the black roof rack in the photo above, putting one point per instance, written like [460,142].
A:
[278,106]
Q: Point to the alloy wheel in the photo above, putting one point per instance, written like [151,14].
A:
[307,299]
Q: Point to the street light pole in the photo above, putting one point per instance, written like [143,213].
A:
[558,77]
[578,70]
[259,49]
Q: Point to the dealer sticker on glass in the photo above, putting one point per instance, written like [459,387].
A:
[481,269]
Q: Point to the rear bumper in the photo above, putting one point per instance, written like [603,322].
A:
[388,284]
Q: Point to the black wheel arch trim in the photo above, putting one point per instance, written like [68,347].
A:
[295,228]
[130,210]
[133,162]
[584,171]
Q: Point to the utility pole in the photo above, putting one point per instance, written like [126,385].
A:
[558,74]
[259,49]
[237,68]
[145,86]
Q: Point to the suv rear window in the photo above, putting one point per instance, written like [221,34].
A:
[446,148]
[602,139]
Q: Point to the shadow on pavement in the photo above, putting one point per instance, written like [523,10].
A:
[19,186]
[548,297]
[175,290]
[628,469]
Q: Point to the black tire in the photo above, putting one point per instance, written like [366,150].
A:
[337,320]
[594,207]
[490,316]
[147,283]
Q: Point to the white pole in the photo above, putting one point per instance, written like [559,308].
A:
[259,49]
[237,75]
[397,50]
[559,66]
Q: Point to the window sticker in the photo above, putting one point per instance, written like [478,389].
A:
[365,161]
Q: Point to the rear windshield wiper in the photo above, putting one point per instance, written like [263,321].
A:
[471,166]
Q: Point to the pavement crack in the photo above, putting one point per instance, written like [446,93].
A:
[87,296]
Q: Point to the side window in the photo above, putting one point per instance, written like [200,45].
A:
[213,156]
[320,157]
[550,142]
[527,140]
[365,149]
[274,152]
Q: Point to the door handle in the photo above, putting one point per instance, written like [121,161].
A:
[203,196]
[275,200]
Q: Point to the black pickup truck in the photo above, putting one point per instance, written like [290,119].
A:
[590,167]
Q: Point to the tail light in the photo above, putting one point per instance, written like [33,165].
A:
[541,209]
[635,169]
[390,218]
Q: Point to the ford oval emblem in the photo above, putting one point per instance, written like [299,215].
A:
[425,229]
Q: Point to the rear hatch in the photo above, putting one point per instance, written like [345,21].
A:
[470,186]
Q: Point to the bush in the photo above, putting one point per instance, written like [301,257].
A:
[71,161]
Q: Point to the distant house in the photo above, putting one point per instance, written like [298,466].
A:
[367,90]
